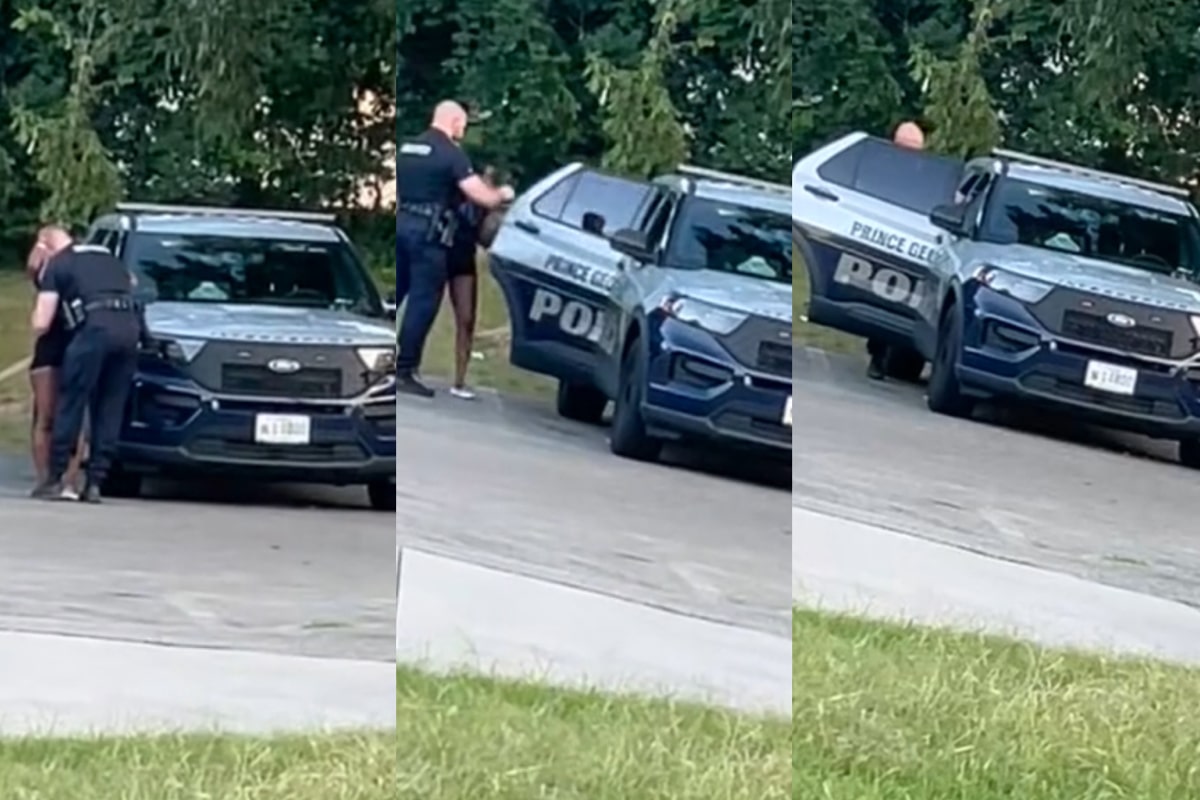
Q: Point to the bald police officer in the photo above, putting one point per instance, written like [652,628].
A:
[433,177]
[93,291]
[908,135]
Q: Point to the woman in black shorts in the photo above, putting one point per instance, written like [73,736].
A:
[44,369]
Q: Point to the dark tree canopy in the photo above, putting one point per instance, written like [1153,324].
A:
[636,85]
[286,103]
[1108,84]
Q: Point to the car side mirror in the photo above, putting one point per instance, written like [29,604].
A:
[390,307]
[951,218]
[632,243]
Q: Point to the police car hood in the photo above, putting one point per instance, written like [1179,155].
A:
[1135,284]
[261,323]
[739,292]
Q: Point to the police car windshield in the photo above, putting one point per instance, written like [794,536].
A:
[1021,212]
[221,269]
[722,237]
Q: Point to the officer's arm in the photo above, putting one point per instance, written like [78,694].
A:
[474,187]
[44,311]
[46,307]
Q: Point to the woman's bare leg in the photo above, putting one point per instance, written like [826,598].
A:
[44,383]
[464,297]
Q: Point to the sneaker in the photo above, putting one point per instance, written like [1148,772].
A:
[48,490]
[409,384]
[91,494]
[462,392]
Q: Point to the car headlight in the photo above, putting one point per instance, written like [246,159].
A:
[704,315]
[1027,290]
[377,359]
[178,350]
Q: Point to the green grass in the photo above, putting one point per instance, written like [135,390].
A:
[807,334]
[492,341]
[474,738]
[335,767]
[887,712]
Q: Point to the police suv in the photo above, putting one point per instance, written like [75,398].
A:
[672,298]
[1027,278]
[273,355]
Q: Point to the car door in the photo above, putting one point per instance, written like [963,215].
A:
[860,212]
[556,269]
[636,281]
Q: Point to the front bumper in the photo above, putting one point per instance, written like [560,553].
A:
[697,390]
[174,426]
[1007,352]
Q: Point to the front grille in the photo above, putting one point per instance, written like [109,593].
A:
[775,358]
[1056,386]
[231,450]
[257,380]
[1095,329]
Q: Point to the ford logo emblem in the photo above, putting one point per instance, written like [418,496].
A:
[1121,320]
[283,366]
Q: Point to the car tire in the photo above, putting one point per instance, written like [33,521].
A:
[1189,453]
[903,364]
[628,437]
[122,484]
[382,495]
[581,403]
[944,394]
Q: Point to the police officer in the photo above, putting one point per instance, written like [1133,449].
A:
[94,293]
[909,135]
[433,176]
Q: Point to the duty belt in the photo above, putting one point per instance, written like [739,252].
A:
[110,304]
[425,210]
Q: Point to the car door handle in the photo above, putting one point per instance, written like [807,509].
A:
[528,227]
[821,192]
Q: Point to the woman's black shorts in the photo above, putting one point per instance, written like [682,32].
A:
[48,351]
[460,261]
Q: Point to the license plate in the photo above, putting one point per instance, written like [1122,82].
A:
[1110,378]
[787,412]
[282,429]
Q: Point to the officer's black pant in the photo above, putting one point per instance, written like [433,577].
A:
[424,263]
[96,376]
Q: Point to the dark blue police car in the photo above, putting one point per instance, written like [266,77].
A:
[671,298]
[274,355]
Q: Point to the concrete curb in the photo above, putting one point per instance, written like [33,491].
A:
[452,615]
[851,567]
[70,686]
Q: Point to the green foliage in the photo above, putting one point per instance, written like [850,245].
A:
[1108,83]
[190,101]
[636,85]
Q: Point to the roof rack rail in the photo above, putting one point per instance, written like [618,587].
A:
[1038,161]
[216,211]
[716,175]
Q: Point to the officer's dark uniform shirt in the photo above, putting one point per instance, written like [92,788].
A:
[429,169]
[88,273]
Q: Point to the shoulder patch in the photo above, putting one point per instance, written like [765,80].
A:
[415,149]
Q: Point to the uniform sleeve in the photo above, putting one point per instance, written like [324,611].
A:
[55,276]
[460,164]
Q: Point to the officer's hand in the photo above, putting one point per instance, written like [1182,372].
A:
[507,193]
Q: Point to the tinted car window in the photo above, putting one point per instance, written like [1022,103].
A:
[1033,214]
[727,238]
[616,200]
[552,203]
[915,180]
[217,269]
